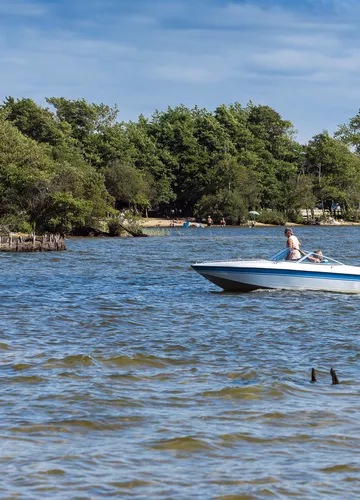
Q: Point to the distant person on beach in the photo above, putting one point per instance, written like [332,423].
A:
[209,221]
[222,222]
[293,244]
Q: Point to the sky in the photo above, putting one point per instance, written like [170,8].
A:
[300,57]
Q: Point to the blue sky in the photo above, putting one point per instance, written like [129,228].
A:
[300,57]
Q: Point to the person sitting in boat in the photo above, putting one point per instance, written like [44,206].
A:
[293,244]
[316,257]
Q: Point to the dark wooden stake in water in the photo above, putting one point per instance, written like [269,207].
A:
[335,380]
[32,243]
[313,375]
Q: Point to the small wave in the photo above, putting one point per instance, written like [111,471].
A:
[15,438]
[53,472]
[72,360]
[228,440]
[340,468]
[139,360]
[186,443]
[132,484]
[176,347]
[21,366]
[248,376]
[125,376]
[236,497]
[247,392]
[70,425]
[34,379]
[143,360]
[257,481]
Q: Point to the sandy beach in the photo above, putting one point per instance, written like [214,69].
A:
[157,222]
[165,223]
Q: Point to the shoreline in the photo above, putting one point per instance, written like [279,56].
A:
[157,222]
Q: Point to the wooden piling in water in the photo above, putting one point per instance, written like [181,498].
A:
[334,377]
[32,243]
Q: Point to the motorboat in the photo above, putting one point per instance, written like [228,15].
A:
[307,273]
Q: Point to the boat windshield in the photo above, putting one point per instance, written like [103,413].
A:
[307,258]
[280,255]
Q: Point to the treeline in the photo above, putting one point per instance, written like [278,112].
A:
[71,165]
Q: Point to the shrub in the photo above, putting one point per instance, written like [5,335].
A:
[268,216]
[26,227]
[65,213]
[295,217]
[115,228]
[223,203]
[15,223]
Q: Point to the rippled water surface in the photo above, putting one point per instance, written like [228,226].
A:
[126,374]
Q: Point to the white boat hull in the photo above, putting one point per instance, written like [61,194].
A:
[246,276]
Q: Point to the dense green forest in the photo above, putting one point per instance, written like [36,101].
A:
[73,165]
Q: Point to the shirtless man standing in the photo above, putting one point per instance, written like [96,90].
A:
[293,244]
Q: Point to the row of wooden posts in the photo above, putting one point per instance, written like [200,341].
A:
[32,243]
[334,377]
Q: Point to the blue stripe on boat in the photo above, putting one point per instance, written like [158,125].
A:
[280,272]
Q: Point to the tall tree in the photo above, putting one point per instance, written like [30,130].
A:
[336,171]
[35,122]
[350,132]
[85,118]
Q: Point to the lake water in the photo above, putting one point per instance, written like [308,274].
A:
[126,374]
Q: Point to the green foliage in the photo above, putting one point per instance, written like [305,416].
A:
[271,217]
[6,225]
[25,227]
[15,223]
[126,184]
[115,228]
[84,118]
[26,171]
[294,217]
[34,187]
[335,170]
[132,222]
[62,167]
[156,231]
[66,213]
[350,133]
[223,202]
[35,122]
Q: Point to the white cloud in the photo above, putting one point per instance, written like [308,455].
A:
[345,6]
[141,20]
[22,9]
[174,52]
[186,74]
[317,41]
[248,15]
[304,61]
